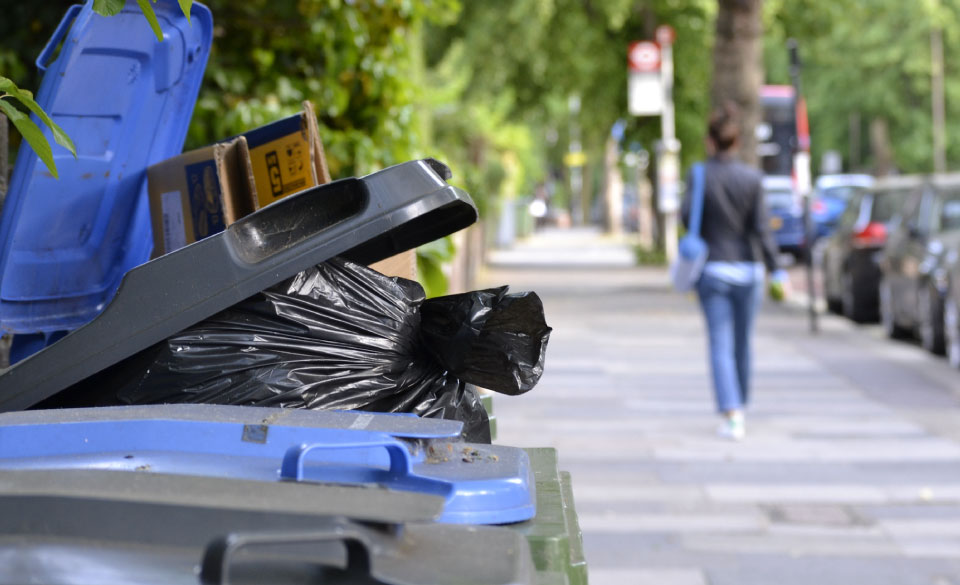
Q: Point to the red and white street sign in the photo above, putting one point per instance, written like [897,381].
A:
[644,57]
[665,35]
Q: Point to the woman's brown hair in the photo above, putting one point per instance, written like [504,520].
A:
[724,126]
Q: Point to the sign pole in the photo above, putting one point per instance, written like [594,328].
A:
[650,93]
[801,168]
[668,167]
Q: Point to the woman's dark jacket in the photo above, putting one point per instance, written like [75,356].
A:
[735,223]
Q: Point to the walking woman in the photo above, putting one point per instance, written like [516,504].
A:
[736,230]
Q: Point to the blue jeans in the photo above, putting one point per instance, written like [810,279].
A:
[729,310]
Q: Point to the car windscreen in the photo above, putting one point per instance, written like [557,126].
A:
[843,193]
[950,211]
[778,198]
[887,204]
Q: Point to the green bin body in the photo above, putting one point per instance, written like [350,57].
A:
[554,533]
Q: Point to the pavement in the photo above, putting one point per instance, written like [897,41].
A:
[850,471]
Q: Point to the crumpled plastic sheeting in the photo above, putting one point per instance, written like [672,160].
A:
[343,336]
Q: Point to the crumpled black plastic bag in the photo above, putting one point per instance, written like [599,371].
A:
[342,336]
[488,337]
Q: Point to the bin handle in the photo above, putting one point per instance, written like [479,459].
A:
[58,35]
[401,464]
[220,552]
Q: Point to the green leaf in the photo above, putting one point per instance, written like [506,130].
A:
[151,18]
[430,260]
[438,251]
[431,276]
[108,7]
[32,134]
[26,98]
[8,86]
[185,6]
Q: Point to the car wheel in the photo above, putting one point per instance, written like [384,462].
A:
[853,308]
[930,314]
[834,303]
[951,328]
[887,318]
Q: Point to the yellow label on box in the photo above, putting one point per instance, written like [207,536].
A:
[280,157]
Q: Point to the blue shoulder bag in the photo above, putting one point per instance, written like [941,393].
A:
[692,249]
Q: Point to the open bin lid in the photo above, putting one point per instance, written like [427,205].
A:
[125,99]
[480,484]
[362,219]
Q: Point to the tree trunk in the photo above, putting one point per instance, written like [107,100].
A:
[613,188]
[645,211]
[855,142]
[881,148]
[738,67]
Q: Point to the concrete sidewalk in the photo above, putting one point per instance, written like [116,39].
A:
[849,473]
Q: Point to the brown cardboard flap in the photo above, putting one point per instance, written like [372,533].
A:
[322,173]
[235,186]
[245,174]
[403,265]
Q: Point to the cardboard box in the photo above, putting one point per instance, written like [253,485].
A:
[199,193]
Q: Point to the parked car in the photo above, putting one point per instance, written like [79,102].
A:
[951,308]
[786,214]
[831,195]
[913,284]
[851,256]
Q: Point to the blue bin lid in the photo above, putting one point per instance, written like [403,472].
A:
[126,100]
[481,484]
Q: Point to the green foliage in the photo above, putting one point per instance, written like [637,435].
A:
[871,59]
[185,7]
[430,260]
[108,7]
[356,61]
[492,155]
[27,128]
[31,133]
[559,48]
[650,257]
[112,7]
[151,17]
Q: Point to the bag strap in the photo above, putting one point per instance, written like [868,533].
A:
[696,198]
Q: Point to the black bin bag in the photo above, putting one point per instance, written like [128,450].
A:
[341,336]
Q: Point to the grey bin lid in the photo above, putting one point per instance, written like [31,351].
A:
[362,219]
[140,531]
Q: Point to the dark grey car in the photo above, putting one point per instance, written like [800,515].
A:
[851,255]
[914,280]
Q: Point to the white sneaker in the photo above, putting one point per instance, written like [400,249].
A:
[733,428]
